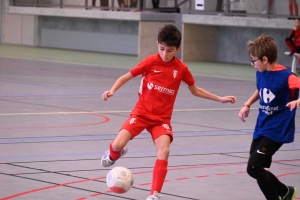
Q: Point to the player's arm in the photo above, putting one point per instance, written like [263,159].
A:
[199,92]
[294,83]
[119,83]
[244,112]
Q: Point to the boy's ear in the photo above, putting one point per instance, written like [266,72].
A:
[179,48]
[265,59]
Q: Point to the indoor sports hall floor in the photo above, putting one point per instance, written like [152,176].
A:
[54,128]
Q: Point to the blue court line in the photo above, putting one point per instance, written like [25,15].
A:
[142,135]
[99,137]
[24,83]
[141,152]
[107,137]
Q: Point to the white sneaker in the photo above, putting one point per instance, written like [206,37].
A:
[106,161]
[154,196]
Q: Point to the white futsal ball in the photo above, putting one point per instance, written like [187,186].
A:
[119,180]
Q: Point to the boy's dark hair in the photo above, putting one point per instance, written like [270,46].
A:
[170,35]
[263,46]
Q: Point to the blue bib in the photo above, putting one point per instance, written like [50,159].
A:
[275,120]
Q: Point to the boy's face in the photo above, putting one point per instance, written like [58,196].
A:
[167,53]
[258,63]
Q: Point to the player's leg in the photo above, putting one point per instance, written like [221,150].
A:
[261,153]
[162,137]
[160,170]
[291,7]
[116,149]
[131,128]
[295,7]
[162,145]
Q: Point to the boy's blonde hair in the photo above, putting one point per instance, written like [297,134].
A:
[263,46]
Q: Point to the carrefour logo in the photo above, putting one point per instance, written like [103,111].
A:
[160,89]
[266,95]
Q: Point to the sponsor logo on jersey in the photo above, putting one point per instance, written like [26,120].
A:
[150,85]
[175,73]
[160,89]
[266,95]
[132,121]
[157,71]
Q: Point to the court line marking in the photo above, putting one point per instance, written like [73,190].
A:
[115,111]
[118,67]
[56,185]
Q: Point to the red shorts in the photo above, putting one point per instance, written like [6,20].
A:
[136,124]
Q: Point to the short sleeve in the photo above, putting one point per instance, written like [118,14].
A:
[188,78]
[294,82]
[141,67]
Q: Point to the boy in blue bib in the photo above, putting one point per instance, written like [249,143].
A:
[277,92]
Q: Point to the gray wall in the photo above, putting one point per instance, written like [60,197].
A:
[232,44]
[109,36]
[118,32]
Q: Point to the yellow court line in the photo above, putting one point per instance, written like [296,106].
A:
[114,111]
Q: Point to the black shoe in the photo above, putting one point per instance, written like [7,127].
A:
[292,191]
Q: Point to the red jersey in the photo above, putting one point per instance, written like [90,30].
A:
[295,35]
[159,86]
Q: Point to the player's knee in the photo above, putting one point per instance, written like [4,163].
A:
[163,153]
[254,170]
[251,171]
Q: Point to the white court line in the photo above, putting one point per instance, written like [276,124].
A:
[115,111]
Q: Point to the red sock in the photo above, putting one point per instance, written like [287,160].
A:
[114,155]
[296,8]
[159,175]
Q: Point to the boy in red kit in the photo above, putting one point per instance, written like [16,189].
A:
[162,75]
[293,41]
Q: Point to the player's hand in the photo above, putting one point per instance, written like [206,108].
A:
[244,112]
[228,99]
[295,28]
[106,95]
[293,104]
